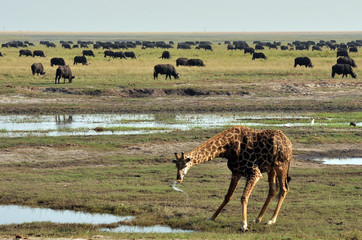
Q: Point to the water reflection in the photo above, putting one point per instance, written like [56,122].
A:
[63,119]
[12,214]
[68,125]
[341,161]
[149,229]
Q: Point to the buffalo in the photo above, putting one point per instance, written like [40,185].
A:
[167,69]
[57,61]
[166,55]
[38,53]
[342,53]
[259,55]
[303,61]
[119,55]
[88,53]
[108,53]
[25,52]
[343,69]
[181,61]
[80,59]
[249,50]
[37,68]
[130,55]
[195,62]
[65,73]
[346,60]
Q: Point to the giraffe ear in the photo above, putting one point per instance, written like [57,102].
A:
[188,160]
[174,161]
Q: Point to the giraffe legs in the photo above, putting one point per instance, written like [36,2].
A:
[283,190]
[249,186]
[273,184]
[235,179]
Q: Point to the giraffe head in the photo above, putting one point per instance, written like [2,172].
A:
[183,165]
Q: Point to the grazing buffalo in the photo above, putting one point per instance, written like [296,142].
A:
[108,53]
[346,60]
[353,49]
[88,53]
[37,68]
[249,50]
[259,55]
[303,61]
[38,53]
[57,61]
[343,69]
[130,55]
[259,47]
[65,73]
[181,61]
[166,55]
[25,52]
[195,62]
[119,55]
[342,53]
[80,59]
[167,69]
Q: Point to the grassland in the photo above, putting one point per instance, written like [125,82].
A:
[132,175]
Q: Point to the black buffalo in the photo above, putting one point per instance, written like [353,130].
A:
[181,61]
[347,60]
[25,52]
[195,62]
[166,55]
[119,55]
[37,68]
[88,53]
[343,69]
[130,55]
[38,53]
[167,69]
[65,73]
[303,61]
[80,59]
[249,50]
[108,53]
[57,61]
[259,55]
[342,53]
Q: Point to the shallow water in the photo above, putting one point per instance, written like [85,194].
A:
[69,125]
[149,229]
[341,161]
[12,214]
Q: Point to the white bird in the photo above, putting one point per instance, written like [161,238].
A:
[312,122]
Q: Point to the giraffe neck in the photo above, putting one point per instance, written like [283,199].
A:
[211,149]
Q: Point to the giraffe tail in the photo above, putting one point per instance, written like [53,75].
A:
[288,177]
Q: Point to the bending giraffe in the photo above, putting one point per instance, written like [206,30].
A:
[249,153]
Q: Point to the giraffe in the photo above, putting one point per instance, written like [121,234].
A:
[249,153]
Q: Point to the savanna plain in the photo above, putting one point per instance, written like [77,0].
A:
[132,175]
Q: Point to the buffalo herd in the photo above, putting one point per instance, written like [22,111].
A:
[344,65]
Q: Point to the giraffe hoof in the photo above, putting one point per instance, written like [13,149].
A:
[255,220]
[244,230]
[270,222]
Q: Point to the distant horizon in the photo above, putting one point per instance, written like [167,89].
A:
[164,16]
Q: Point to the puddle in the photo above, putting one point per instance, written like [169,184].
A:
[341,161]
[150,229]
[71,125]
[12,214]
